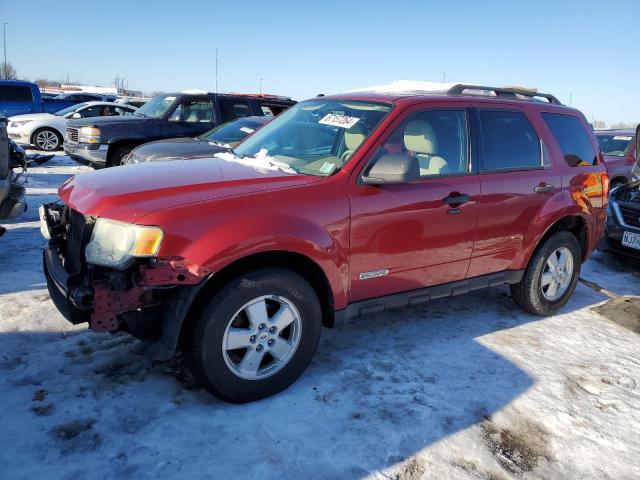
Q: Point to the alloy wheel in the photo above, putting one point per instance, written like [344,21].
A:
[46,140]
[262,337]
[557,274]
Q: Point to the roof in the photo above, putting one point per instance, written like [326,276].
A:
[92,104]
[621,131]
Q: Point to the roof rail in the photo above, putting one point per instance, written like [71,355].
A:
[505,92]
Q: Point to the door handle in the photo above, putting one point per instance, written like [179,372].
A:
[544,188]
[456,198]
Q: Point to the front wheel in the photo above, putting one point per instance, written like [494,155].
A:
[256,336]
[47,140]
[551,276]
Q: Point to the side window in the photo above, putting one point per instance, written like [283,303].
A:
[509,141]
[15,93]
[94,111]
[574,141]
[113,111]
[232,109]
[436,139]
[271,109]
[194,111]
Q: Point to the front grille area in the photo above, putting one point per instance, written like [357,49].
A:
[630,215]
[72,134]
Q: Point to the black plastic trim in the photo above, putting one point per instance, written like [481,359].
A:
[421,295]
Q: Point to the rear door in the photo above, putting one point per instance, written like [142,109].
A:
[191,117]
[517,183]
[405,237]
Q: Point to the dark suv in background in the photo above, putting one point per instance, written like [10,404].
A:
[103,142]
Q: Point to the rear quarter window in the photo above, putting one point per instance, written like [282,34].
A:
[573,139]
[15,93]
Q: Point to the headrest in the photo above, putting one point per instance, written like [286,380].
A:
[354,136]
[419,137]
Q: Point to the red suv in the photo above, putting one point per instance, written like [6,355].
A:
[619,150]
[340,206]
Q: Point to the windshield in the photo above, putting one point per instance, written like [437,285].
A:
[231,133]
[72,108]
[316,137]
[156,107]
[615,145]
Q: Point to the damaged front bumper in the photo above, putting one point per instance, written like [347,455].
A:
[148,299]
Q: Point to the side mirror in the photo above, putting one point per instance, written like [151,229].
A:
[76,115]
[393,169]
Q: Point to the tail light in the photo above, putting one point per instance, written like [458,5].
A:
[605,189]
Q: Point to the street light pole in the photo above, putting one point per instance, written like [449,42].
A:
[4,44]
[260,85]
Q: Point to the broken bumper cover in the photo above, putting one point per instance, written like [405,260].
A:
[65,298]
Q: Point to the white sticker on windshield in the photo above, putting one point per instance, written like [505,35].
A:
[628,139]
[337,120]
[247,130]
[327,167]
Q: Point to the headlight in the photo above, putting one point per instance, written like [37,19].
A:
[18,124]
[115,244]
[89,135]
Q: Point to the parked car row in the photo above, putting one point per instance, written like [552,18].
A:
[18,98]
[104,142]
[338,207]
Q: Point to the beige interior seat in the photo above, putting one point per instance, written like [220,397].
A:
[353,137]
[420,139]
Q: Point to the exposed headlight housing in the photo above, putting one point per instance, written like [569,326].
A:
[89,135]
[116,244]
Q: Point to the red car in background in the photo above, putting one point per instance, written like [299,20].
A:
[619,150]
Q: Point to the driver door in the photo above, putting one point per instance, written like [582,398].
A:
[409,236]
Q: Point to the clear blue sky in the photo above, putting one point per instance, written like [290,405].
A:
[585,48]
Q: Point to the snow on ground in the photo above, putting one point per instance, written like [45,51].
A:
[464,388]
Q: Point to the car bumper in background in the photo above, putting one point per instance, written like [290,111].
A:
[19,135]
[615,231]
[88,154]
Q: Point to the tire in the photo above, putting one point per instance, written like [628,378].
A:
[118,155]
[531,294]
[46,139]
[219,369]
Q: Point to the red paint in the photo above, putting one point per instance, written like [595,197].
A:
[214,212]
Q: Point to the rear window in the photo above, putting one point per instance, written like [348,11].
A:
[232,109]
[15,93]
[573,139]
[272,109]
[614,145]
[509,141]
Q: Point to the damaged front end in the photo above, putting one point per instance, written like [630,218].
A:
[147,297]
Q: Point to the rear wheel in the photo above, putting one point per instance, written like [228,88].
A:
[46,139]
[551,276]
[256,336]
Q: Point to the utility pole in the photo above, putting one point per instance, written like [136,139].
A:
[216,71]
[4,43]
[260,84]
[444,75]
[570,98]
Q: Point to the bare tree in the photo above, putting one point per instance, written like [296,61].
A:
[7,72]
[599,124]
[622,125]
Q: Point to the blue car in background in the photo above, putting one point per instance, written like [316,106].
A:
[18,97]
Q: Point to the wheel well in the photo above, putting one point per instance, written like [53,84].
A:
[300,264]
[575,225]
[113,148]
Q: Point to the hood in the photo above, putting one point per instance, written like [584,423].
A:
[31,116]
[181,148]
[129,192]
[106,121]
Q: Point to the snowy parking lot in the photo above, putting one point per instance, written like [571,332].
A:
[468,388]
